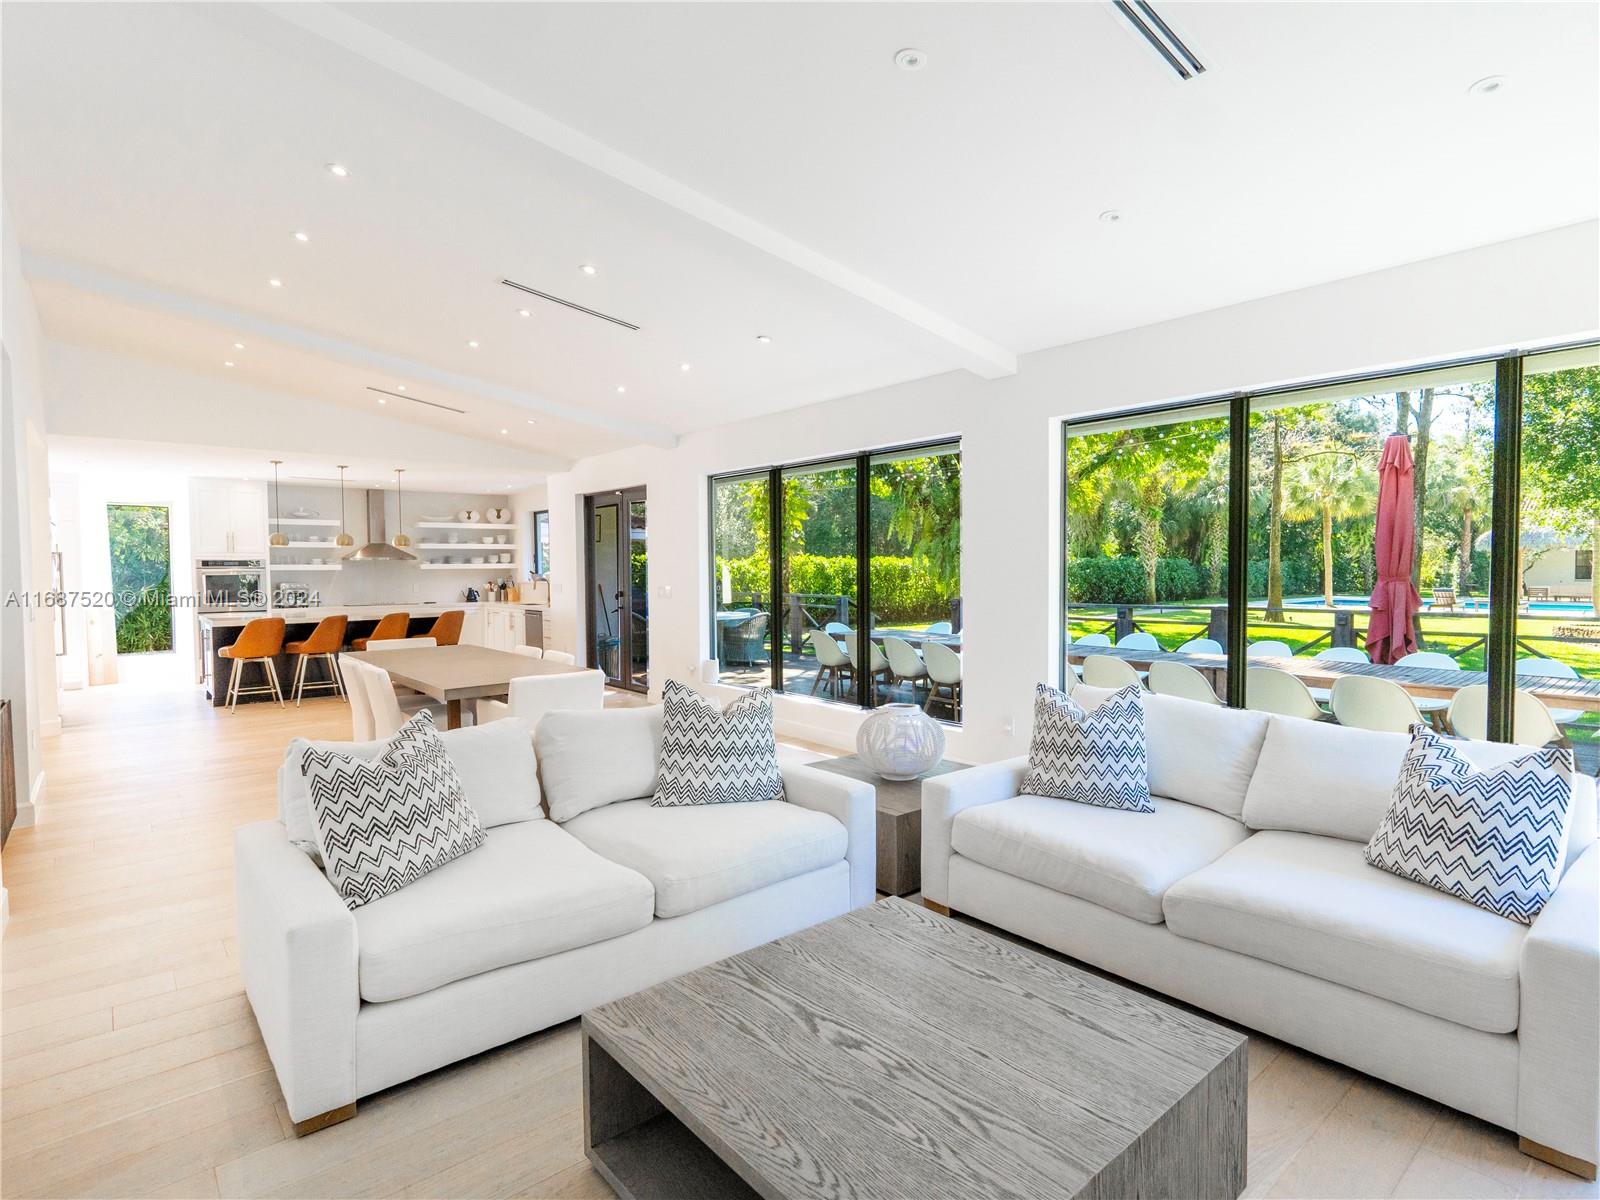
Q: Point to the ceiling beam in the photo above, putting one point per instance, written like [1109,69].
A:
[152,298]
[960,346]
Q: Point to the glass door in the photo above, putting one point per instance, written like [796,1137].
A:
[617,586]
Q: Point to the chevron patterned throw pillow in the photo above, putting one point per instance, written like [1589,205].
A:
[1494,837]
[1096,757]
[712,755]
[385,822]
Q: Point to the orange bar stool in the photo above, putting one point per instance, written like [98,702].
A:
[446,629]
[392,626]
[261,641]
[326,640]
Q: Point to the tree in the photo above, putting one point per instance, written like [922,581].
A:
[1561,452]
[1329,484]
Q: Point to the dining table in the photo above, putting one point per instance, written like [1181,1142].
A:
[1433,683]
[451,674]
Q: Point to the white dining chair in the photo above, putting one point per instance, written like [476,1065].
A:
[833,664]
[354,674]
[877,664]
[1269,649]
[562,657]
[944,676]
[943,628]
[528,651]
[529,697]
[1138,640]
[1532,724]
[390,709]
[1552,668]
[905,663]
[1322,695]
[1103,671]
[1267,689]
[1181,680]
[836,628]
[1088,639]
[401,643]
[1201,646]
[1431,707]
[1365,702]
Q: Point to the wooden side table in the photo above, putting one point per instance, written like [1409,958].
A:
[899,820]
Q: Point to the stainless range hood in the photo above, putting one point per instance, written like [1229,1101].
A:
[379,550]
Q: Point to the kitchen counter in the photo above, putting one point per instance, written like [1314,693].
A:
[356,612]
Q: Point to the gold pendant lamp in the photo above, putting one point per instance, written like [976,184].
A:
[278,538]
[400,540]
[344,539]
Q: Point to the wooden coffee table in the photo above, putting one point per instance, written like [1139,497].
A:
[893,1052]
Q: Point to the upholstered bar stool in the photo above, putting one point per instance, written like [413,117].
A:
[326,640]
[394,625]
[260,641]
[446,629]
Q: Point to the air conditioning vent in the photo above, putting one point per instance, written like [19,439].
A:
[572,304]
[414,400]
[1149,25]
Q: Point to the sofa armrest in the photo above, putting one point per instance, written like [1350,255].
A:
[1558,1092]
[854,805]
[297,954]
[943,797]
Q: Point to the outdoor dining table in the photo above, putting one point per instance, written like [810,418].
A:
[451,674]
[1428,682]
[919,638]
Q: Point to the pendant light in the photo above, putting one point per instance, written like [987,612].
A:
[344,539]
[400,540]
[278,538]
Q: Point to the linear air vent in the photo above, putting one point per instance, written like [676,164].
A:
[414,400]
[1148,23]
[576,307]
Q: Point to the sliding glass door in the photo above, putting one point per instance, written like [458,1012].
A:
[616,571]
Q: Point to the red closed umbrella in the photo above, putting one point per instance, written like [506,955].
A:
[1391,633]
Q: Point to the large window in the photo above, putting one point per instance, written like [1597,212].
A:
[1276,526]
[141,577]
[861,577]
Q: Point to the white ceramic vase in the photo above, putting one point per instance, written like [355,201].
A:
[900,741]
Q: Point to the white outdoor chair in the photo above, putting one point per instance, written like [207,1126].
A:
[1267,689]
[529,651]
[944,676]
[1269,649]
[1432,708]
[833,664]
[1201,646]
[1088,639]
[837,628]
[560,656]
[401,643]
[354,673]
[877,667]
[945,628]
[905,663]
[388,712]
[1103,671]
[531,696]
[1531,722]
[1324,695]
[1364,702]
[1138,640]
[1182,681]
[1552,668]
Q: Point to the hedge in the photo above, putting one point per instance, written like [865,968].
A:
[903,589]
[1102,580]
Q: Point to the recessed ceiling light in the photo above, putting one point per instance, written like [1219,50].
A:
[910,59]
[338,169]
[763,339]
[381,400]
[505,431]
[1487,86]
[238,345]
[531,421]
[683,366]
[274,283]
[227,364]
[620,389]
[522,312]
[300,235]
[1111,216]
[587,268]
[473,345]
[399,387]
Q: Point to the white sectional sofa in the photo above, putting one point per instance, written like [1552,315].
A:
[550,917]
[1245,893]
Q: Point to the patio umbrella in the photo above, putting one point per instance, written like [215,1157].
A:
[1391,632]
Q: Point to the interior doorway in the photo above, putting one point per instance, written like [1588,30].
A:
[616,579]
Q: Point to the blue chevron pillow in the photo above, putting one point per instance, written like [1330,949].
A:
[1096,757]
[714,755]
[1494,837]
[387,821]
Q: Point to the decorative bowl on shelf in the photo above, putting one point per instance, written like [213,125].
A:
[900,741]
[468,515]
[499,516]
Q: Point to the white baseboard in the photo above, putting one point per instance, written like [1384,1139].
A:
[28,810]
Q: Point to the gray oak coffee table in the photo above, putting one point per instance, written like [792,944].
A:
[893,1052]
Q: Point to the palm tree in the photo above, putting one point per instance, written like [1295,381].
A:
[1333,484]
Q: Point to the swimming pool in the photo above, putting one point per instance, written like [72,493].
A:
[1549,608]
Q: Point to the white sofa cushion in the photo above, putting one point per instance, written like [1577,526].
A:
[1120,860]
[1317,777]
[1201,754]
[1312,904]
[696,856]
[498,774]
[589,759]
[530,891]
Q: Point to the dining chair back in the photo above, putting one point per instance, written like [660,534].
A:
[1434,660]
[1104,671]
[393,625]
[534,695]
[1201,646]
[1271,648]
[944,678]
[1180,680]
[560,656]
[529,651]
[1267,689]
[943,628]
[354,673]
[1552,668]
[746,641]
[1366,702]
[386,715]
[446,630]
[836,627]
[1093,639]
[878,663]
[326,640]
[1532,724]
[399,643]
[1343,654]
[904,660]
[1138,640]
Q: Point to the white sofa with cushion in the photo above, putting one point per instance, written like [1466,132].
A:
[1245,893]
[551,916]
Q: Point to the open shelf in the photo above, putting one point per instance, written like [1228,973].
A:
[463,547]
[461,525]
[308,566]
[311,546]
[509,567]
[327,521]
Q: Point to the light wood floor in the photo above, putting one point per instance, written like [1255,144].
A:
[132,1066]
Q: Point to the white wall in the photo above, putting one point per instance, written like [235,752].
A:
[1512,294]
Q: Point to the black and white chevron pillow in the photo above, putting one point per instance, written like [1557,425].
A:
[713,755]
[1493,837]
[1097,757]
[385,822]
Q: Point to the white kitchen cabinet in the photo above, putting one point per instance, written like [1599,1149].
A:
[497,626]
[228,519]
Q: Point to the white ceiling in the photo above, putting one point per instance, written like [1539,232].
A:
[742,169]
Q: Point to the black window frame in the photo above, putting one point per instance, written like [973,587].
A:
[541,564]
[862,461]
[1505,508]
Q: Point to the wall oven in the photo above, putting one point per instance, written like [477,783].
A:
[230,584]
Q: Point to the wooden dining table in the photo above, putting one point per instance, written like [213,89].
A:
[1432,683]
[451,674]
